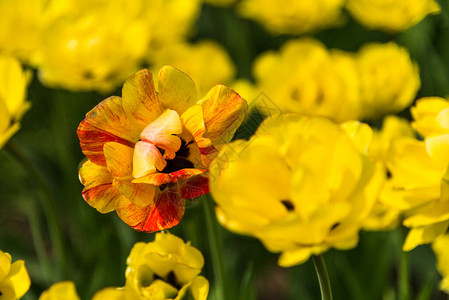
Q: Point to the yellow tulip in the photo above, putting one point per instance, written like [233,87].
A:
[389,79]
[306,78]
[300,185]
[13,88]
[167,268]
[92,46]
[293,16]
[384,216]
[440,247]
[391,15]
[61,290]
[14,278]
[419,183]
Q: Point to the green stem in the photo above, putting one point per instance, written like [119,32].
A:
[404,286]
[38,241]
[46,201]
[323,277]
[216,246]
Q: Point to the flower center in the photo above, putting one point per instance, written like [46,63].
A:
[181,159]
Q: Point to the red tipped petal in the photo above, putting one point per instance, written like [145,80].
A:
[165,213]
[98,191]
[106,122]
[194,187]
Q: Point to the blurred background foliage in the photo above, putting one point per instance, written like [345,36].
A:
[94,248]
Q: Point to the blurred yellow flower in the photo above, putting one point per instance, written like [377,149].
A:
[64,290]
[13,88]
[169,22]
[388,77]
[419,184]
[440,247]
[92,48]
[307,78]
[293,16]
[20,27]
[383,216]
[167,268]
[14,279]
[207,62]
[391,15]
[301,185]
[149,151]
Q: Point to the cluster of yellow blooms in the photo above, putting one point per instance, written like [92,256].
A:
[310,179]
[302,16]
[315,184]
[166,269]
[419,183]
[305,77]
[95,45]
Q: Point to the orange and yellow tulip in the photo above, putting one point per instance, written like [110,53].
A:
[148,151]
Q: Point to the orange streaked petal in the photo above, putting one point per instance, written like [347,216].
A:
[119,159]
[194,187]
[147,159]
[176,89]
[140,194]
[224,111]
[140,100]
[98,190]
[164,178]
[106,122]
[155,179]
[193,121]
[166,212]
[185,173]
[161,131]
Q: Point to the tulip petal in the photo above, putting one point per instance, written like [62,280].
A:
[140,100]
[194,187]
[161,132]
[19,278]
[147,158]
[438,148]
[298,255]
[119,159]
[98,190]
[224,111]
[176,89]
[140,194]
[424,235]
[5,264]
[439,212]
[106,122]
[199,288]
[166,212]
[164,178]
[154,179]
[193,121]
